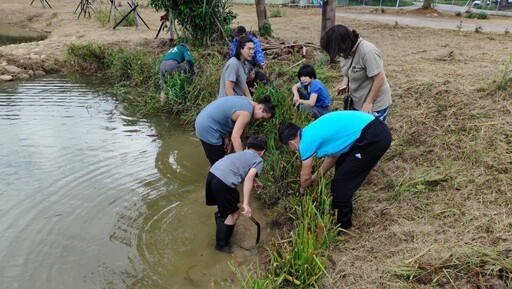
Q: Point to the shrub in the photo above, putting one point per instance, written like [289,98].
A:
[276,13]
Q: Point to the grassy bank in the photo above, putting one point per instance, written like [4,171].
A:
[444,184]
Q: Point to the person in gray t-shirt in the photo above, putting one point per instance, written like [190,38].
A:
[362,68]
[234,74]
[220,190]
[227,117]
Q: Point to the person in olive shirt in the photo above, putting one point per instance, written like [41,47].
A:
[177,59]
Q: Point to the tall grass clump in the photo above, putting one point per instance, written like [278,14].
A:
[105,16]
[87,58]
[300,260]
[276,13]
[132,74]
[503,81]
[469,267]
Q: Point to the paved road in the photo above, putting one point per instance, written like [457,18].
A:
[467,24]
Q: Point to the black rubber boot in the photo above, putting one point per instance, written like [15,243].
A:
[222,236]
[217,216]
[344,218]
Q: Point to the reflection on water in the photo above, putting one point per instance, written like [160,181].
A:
[89,198]
[12,34]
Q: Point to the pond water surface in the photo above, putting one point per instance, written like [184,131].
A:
[10,34]
[89,198]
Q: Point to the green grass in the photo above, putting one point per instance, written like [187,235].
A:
[277,13]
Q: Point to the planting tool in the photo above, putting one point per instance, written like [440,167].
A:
[258,227]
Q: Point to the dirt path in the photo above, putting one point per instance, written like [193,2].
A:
[465,24]
[61,23]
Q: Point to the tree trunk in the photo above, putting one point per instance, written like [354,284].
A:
[426,4]
[328,15]
[261,13]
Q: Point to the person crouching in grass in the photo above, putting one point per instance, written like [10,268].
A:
[310,93]
[221,187]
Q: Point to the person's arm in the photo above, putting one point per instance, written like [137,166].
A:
[247,92]
[295,90]
[241,119]
[309,102]
[258,52]
[378,81]
[229,87]
[258,185]
[248,183]
[233,47]
[306,177]
[327,164]
[188,58]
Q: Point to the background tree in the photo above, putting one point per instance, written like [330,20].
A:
[263,24]
[427,4]
[201,20]
[328,15]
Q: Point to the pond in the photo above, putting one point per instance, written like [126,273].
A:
[10,34]
[92,197]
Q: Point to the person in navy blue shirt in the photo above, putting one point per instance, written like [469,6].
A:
[351,141]
[259,57]
[310,93]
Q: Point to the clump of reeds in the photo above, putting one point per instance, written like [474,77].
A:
[299,260]
[471,266]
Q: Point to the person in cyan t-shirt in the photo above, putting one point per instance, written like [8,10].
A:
[224,176]
[351,141]
[310,94]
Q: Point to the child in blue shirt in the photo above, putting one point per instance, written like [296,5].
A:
[309,93]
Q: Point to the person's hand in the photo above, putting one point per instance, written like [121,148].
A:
[228,146]
[258,185]
[341,89]
[296,99]
[264,65]
[367,107]
[247,211]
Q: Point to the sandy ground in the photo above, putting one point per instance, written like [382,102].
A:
[440,80]
[64,27]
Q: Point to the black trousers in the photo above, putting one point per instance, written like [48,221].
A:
[218,193]
[353,167]
[213,152]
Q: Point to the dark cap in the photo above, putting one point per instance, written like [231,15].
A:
[239,31]
[257,142]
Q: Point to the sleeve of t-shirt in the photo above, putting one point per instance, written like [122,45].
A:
[233,47]
[373,62]
[188,58]
[259,166]
[231,72]
[316,87]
